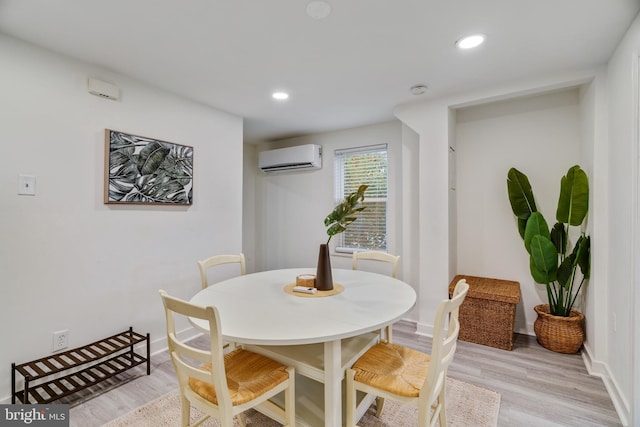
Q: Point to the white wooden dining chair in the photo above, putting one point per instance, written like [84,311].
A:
[224,385]
[394,260]
[205,264]
[378,256]
[395,372]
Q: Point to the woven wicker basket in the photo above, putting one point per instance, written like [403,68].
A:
[558,333]
[488,313]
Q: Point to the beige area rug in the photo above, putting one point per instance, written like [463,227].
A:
[467,405]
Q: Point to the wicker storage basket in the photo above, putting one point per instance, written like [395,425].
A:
[557,333]
[487,315]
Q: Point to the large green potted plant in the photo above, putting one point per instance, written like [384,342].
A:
[336,222]
[553,261]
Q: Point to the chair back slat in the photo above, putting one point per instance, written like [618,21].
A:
[376,256]
[445,339]
[186,350]
[206,264]
[184,355]
[186,370]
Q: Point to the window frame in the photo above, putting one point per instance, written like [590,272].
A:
[340,193]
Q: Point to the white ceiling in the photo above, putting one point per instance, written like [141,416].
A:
[349,69]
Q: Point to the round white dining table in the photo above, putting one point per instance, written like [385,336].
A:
[256,310]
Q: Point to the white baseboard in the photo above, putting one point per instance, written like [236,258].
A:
[424,329]
[594,367]
[159,345]
[600,369]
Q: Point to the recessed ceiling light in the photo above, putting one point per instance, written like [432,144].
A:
[280,96]
[469,42]
[318,9]
[418,89]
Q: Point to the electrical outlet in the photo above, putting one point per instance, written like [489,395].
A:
[60,340]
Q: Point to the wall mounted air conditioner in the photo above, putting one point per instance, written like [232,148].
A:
[299,157]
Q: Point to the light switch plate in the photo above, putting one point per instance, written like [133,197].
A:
[27,185]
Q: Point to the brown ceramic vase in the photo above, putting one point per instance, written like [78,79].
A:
[324,280]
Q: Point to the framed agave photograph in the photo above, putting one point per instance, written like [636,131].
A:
[142,170]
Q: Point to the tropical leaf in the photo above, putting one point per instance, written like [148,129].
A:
[583,255]
[118,189]
[179,163]
[122,167]
[536,226]
[559,237]
[183,156]
[520,194]
[573,203]
[161,189]
[522,226]
[336,228]
[565,271]
[543,260]
[345,213]
[122,164]
[119,142]
[137,197]
[539,276]
[151,157]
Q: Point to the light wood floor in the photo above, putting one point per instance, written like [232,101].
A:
[538,387]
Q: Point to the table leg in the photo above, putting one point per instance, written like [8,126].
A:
[332,384]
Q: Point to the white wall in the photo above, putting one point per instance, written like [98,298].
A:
[431,121]
[540,136]
[623,300]
[594,130]
[67,261]
[410,216]
[291,207]
[249,218]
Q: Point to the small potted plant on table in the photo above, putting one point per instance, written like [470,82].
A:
[337,222]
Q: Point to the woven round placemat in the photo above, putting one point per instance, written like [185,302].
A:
[337,288]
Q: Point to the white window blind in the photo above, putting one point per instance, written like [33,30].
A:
[354,167]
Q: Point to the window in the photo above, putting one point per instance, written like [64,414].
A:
[354,167]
